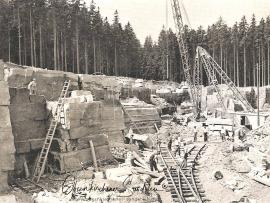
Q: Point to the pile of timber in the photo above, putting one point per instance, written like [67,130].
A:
[141,119]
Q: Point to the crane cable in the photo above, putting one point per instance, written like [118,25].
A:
[185,13]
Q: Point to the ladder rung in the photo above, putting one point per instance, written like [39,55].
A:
[50,134]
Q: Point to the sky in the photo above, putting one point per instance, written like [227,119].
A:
[147,17]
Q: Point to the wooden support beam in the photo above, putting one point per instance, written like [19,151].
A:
[93,154]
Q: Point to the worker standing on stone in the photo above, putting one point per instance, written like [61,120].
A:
[32,86]
[80,83]
[195,134]
[6,72]
[153,162]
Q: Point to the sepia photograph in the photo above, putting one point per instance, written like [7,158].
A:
[135,101]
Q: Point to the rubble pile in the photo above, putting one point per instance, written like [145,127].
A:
[120,151]
[262,131]
[162,105]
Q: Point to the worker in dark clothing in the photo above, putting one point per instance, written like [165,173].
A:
[205,134]
[140,145]
[131,139]
[152,162]
[184,163]
[80,84]
[170,144]
[195,134]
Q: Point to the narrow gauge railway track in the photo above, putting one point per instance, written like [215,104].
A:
[28,186]
[183,182]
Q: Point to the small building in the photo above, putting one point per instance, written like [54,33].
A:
[247,119]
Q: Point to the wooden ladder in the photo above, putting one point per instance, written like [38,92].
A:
[130,118]
[40,166]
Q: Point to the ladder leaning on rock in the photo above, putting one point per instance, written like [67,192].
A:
[40,166]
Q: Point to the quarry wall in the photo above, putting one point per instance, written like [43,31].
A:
[7,148]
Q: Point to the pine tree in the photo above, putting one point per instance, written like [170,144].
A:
[243,37]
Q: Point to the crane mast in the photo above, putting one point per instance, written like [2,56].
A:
[183,48]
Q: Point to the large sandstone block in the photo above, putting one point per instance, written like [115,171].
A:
[19,77]
[72,161]
[28,117]
[4,94]
[24,130]
[7,149]
[49,83]
[4,117]
[22,147]
[98,140]
[1,70]
[115,136]
[3,182]
[84,131]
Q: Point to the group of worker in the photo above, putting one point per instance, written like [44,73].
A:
[205,134]
[224,134]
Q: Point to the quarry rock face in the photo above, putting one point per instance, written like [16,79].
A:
[7,149]
[92,114]
[28,118]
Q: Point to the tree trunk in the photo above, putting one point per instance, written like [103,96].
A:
[234,66]
[19,36]
[34,46]
[40,46]
[58,51]
[254,65]
[94,47]
[245,66]
[25,46]
[62,52]
[8,45]
[115,60]
[66,69]
[99,55]
[54,42]
[107,62]
[86,57]
[31,39]
[221,55]
[268,61]
[77,48]
[259,63]
[237,66]
[73,60]
[263,67]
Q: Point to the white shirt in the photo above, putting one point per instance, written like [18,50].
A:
[223,131]
[6,74]
[32,85]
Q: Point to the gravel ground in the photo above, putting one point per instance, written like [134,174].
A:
[218,158]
